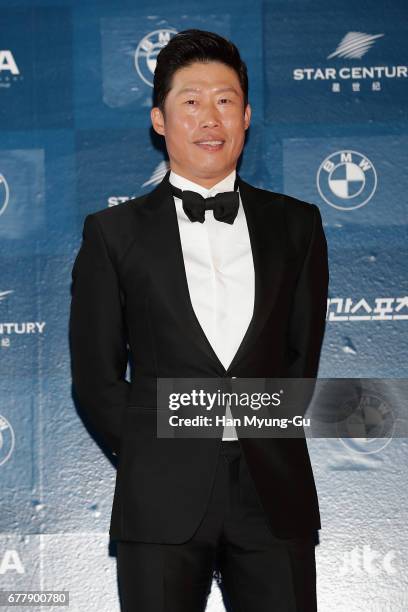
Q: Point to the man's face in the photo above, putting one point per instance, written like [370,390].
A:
[204,105]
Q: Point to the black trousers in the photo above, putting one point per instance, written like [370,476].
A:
[259,571]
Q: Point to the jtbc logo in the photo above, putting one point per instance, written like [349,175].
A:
[8,63]
[366,560]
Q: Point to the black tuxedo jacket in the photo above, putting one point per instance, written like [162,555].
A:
[130,301]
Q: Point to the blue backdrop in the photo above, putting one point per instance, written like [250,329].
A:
[328,89]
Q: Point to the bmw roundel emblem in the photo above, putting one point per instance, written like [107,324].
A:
[4,194]
[372,420]
[346,180]
[6,440]
[147,51]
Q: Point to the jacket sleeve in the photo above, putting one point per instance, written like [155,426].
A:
[308,315]
[97,336]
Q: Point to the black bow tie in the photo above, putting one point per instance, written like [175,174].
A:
[225,205]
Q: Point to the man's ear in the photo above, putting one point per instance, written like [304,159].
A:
[157,119]
[247,116]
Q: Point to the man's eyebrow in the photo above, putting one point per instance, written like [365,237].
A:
[197,89]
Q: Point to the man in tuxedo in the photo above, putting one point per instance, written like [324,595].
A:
[205,276]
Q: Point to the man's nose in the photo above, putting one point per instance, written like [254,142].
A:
[210,117]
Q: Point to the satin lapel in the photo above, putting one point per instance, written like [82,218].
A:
[265,221]
[168,269]
[264,217]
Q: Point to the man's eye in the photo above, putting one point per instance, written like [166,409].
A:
[225,99]
[188,101]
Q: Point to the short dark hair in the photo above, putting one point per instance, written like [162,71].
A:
[191,46]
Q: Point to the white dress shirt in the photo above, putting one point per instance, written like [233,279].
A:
[220,273]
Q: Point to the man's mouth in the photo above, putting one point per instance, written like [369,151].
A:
[210,145]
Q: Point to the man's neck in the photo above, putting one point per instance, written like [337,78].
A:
[207,183]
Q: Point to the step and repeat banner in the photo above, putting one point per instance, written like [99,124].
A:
[329,93]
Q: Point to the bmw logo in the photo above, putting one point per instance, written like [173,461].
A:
[346,180]
[147,51]
[6,440]
[371,421]
[4,194]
